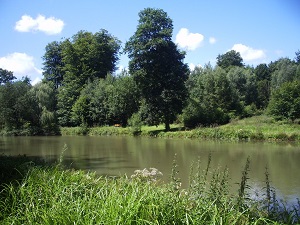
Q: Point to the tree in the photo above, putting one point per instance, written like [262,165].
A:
[263,79]
[6,76]
[123,99]
[238,79]
[230,58]
[282,70]
[86,58]
[19,111]
[53,64]
[46,97]
[92,106]
[157,66]
[285,101]
[89,56]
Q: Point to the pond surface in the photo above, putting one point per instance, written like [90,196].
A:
[123,155]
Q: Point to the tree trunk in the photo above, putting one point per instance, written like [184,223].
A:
[167,124]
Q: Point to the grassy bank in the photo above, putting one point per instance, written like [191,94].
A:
[51,195]
[258,128]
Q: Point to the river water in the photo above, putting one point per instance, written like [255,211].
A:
[116,156]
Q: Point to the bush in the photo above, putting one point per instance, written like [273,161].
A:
[135,124]
[285,101]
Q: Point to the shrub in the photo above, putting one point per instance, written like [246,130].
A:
[135,123]
[285,101]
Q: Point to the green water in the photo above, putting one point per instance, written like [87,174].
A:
[122,155]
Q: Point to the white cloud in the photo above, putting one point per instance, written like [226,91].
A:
[248,53]
[120,70]
[49,25]
[21,65]
[188,40]
[192,66]
[212,40]
[36,81]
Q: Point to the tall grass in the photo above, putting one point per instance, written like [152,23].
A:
[53,195]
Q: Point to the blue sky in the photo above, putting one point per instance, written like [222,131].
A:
[261,30]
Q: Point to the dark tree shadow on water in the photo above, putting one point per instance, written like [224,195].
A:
[14,168]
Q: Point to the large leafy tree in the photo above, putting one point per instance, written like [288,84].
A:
[86,57]
[53,64]
[157,66]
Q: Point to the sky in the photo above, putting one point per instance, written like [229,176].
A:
[261,30]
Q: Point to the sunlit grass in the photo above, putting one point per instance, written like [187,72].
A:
[52,195]
[258,128]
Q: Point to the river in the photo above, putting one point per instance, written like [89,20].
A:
[116,156]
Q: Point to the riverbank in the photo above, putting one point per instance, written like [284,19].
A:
[258,128]
[53,195]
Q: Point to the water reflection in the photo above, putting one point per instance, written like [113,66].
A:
[123,155]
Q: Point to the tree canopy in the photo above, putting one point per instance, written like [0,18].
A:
[6,76]
[53,63]
[157,66]
[86,57]
[230,58]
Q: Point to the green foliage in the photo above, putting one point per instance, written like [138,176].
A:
[135,124]
[66,97]
[81,110]
[6,76]
[86,57]
[283,70]
[53,63]
[19,111]
[46,96]
[212,98]
[229,59]
[157,66]
[28,110]
[285,101]
[123,99]
[106,101]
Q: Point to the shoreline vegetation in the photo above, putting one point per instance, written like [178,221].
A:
[257,128]
[34,192]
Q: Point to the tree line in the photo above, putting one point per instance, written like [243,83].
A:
[80,87]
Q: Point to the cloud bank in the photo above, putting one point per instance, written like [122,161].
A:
[187,40]
[49,26]
[248,53]
[21,65]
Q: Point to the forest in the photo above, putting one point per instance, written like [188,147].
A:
[81,88]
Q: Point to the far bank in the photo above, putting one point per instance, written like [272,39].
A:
[258,128]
